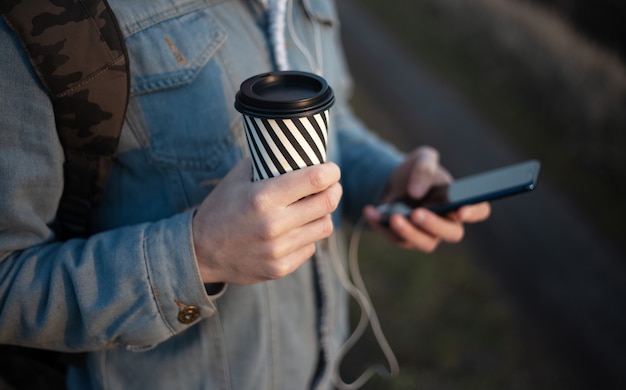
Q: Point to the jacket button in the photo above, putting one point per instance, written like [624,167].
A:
[188,314]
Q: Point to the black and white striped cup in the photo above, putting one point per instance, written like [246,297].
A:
[285,117]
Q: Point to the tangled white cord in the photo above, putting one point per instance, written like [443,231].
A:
[368,315]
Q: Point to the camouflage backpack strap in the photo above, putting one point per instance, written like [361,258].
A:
[78,52]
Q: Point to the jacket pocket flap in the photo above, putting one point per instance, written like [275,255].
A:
[172,52]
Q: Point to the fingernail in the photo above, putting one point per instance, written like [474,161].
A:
[419,216]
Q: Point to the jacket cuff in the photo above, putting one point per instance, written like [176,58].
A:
[174,276]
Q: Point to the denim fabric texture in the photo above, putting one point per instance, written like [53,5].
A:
[119,293]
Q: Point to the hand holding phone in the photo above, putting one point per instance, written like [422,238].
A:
[486,186]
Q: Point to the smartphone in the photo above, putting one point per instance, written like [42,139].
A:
[485,186]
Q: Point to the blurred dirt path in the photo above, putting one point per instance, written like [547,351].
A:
[563,276]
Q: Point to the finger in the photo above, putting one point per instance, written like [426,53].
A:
[423,173]
[410,236]
[305,235]
[474,213]
[314,206]
[373,217]
[273,268]
[443,228]
[283,255]
[287,264]
[305,210]
[240,172]
[293,186]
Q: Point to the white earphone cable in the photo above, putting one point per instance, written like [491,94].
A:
[368,315]
[314,64]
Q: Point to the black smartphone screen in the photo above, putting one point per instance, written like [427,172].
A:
[484,186]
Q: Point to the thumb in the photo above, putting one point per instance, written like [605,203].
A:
[423,172]
[242,171]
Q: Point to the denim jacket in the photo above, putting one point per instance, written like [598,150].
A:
[131,295]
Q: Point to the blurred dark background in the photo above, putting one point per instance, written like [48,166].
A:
[534,298]
[600,20]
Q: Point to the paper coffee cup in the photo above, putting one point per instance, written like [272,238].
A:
[285,117]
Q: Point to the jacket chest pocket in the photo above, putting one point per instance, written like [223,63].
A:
[178,108]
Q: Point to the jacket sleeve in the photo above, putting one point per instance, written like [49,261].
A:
[132,287]
[366,160]
[366,163]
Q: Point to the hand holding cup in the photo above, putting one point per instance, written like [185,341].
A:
[250,231]
[246,232]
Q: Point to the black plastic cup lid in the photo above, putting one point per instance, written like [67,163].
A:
[284,94]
